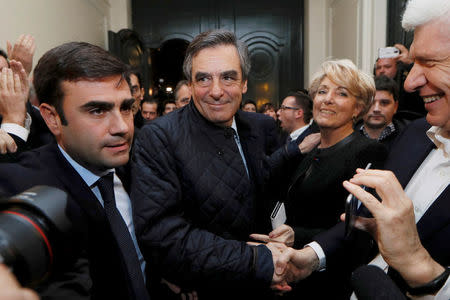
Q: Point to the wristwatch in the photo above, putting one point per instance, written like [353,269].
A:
[431,287]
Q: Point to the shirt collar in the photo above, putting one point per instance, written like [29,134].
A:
[233,124]
[435,135]
[296,133]
[88,177]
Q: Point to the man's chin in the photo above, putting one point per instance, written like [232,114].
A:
[375,125]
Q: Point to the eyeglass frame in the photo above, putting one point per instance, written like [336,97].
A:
[283,107]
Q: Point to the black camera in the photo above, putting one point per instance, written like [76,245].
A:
[33,232]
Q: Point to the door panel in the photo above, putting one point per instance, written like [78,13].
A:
[273,33]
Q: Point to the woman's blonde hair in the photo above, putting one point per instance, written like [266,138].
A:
[344,73]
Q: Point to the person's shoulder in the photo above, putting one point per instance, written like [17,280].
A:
[368,146]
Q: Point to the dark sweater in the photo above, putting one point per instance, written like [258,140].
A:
[316,200]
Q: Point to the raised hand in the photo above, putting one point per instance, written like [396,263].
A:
[14,88]
[23,51]
[404,54]
[393,225]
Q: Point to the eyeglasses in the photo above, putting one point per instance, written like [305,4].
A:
[283,107]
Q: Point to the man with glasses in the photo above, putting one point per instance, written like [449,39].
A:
[295,114]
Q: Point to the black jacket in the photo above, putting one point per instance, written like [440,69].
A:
[93,267]
[194,205]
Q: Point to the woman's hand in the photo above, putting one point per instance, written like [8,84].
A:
[282,234]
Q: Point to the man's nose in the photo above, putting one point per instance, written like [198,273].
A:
[119,123]
[416,79]
[216,89]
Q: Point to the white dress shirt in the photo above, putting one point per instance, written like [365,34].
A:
[427,183]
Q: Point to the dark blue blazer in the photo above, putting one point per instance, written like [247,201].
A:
[406,155]
[311,129]
[93,241]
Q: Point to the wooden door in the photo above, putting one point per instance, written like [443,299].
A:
[273,33]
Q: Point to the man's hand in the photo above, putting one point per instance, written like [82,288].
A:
[404,54]
[23,51]
[309,143]
[10,288]
[7,144]
[14,88]
[296,265]
[282,234]
[279,282]
[393,226]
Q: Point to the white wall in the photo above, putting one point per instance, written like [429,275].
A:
[352,29]
[53,22]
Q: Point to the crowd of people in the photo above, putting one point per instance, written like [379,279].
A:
[176,199]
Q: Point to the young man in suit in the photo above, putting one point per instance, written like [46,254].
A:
[87,105]
[411,223]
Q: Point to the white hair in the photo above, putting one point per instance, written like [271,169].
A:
[420,12]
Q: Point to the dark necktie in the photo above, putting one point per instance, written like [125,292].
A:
[122,236]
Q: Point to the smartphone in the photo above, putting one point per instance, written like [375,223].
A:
[352,205]
[388,52]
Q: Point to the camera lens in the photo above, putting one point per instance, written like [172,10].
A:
[33,225]
[24,245]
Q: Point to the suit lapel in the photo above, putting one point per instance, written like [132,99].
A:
[74,184]
[418,145]
[436,216]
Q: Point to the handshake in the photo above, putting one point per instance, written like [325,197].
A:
[290,265]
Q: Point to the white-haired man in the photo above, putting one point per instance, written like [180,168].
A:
[410,226]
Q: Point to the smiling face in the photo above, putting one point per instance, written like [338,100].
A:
[382,110]
[216,84]
[99,128]
[334,107]
[431,71]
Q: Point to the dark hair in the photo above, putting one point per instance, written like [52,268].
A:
[266,106]
[211,39]
[167,102]
[303,101]
[150,101]
[73,62]
[179,85]
[248,101]
[138,75]
[384,83]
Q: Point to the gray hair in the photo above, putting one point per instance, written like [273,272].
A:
[420,12]
[211,39]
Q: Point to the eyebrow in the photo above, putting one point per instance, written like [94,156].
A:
[105,105]
[231,73]
[97,104]
[127,103]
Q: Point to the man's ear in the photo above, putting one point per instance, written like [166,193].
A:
[299,114]
[51,118]
[395,106]
[244,87]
